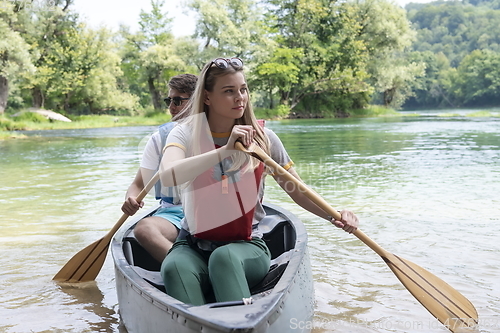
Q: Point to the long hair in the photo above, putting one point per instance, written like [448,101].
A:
[196,106]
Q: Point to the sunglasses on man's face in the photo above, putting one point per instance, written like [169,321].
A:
[224,63]
[177,101]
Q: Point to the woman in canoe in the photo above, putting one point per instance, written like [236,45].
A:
[219,248]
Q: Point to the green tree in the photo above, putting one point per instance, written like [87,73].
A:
[454,28]
[478,79]
[149,56]
[229,28]
[78,72]
[387,35]
[97,76]
[345,51]
[45,29]
[278,73]
[448,33]
[223,25]
[434,87]
[154,26]
[156,61]
[396,84]
[76,67]
[321,36]
[15,59]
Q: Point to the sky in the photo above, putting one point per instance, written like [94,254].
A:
[111,13]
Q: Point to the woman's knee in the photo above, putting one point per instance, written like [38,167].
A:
[182,261]
[171,268]
[222,258]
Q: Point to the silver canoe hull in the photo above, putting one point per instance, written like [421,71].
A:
[286,307]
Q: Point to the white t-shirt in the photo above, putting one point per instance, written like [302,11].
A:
[181,136]
[151,159]
[151,156]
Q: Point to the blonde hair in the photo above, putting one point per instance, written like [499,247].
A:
[196,106]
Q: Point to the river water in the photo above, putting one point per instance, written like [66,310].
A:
[425,188]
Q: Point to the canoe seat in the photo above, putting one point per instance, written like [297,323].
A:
[152,277]
[276,270]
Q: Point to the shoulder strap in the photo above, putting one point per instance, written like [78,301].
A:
[164,131]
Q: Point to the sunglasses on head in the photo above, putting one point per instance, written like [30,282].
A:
[177,101]
[224,63]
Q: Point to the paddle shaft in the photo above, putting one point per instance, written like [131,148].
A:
[87,263]
[140,197]
[316,198]
[450,307]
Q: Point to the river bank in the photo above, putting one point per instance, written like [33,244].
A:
[31,119]
[27,121]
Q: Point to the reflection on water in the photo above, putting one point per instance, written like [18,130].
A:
[426,188]
[91,298]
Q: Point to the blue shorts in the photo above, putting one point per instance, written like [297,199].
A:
[173,214]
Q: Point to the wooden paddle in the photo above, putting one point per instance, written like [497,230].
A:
[450,307]
[86,264]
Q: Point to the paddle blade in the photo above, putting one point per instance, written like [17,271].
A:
[86,264]
[449,306]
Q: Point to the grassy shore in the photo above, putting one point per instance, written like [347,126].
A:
[9,126]
[26,121]
[31,121]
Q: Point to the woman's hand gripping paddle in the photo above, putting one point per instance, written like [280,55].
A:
[86,264]
[450,307]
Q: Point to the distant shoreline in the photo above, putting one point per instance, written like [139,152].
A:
[9,127]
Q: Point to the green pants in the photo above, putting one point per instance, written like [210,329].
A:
[230,270]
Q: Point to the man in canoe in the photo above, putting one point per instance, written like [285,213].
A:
[220,246]
[158,232]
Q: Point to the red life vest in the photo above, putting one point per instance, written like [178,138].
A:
[225,212]
[224,203]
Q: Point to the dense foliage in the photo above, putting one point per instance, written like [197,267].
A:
[305,57]
[459,42]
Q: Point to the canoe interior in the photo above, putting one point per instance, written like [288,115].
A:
[279,235]
[284,297]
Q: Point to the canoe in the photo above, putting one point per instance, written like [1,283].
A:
[282,302]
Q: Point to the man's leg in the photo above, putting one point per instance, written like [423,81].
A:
[156,235]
